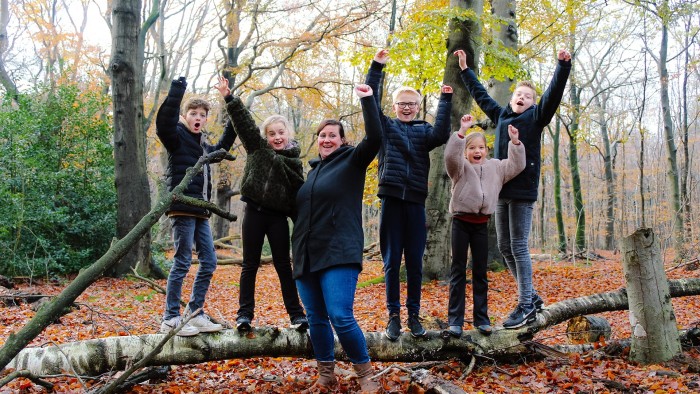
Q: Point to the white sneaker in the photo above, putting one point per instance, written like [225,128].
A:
[202,323]
[170,324]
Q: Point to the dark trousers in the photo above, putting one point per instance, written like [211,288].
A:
[475,236]
[402,232]
[256,225]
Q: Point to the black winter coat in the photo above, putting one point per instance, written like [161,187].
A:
[529,123]
[404,160]
[184,149]
[328,230]
[271,178]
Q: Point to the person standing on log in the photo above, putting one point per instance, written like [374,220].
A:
[182,137]
[272,176]
[476,182]
[328,240]
[517,198]
[404,165]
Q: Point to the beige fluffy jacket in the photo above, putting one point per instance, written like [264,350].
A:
[475,187]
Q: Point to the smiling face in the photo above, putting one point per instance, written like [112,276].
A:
[522,99]
[196,119]
[277,135]
[476,151]
[329,139]
[406,106]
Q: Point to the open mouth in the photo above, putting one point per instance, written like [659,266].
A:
[520,103]
[197,124]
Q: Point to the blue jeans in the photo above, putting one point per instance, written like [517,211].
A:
[402,231]
[513,222]
[328,297]
[188,230]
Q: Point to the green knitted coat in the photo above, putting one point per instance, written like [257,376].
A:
[271,178]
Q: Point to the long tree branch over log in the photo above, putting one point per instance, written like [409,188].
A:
[97,356]
[52,310]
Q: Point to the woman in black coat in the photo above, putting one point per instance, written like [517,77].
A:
[327,243]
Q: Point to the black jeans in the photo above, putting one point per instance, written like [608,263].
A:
[256,225]
[465,235]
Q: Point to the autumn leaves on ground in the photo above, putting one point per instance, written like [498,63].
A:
[122,307]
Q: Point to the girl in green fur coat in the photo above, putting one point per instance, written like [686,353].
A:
[272,176]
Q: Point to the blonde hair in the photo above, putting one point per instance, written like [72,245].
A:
[474,135]
[195,103]
[527,84]
[276,119]
[406,89]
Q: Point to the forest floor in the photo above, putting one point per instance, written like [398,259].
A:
[125,306]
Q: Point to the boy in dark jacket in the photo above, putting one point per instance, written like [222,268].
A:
[183,139]
[404,163]
[516,200]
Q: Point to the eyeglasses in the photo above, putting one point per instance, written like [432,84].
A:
[407,105]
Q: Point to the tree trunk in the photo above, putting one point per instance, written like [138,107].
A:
[654,332]
[671,150]
[131,178]
[561,230]
[97,356]
[463,35]
[579,208]
[501,92]
[5,79]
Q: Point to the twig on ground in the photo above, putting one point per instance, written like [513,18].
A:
[26,374]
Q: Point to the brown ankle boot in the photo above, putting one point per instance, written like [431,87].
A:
[364,374]
[326,378]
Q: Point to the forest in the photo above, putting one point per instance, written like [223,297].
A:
[82,192]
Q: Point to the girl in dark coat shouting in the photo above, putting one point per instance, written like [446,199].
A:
[327,243]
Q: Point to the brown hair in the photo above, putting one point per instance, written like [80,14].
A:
[195,103]
[527,84]
[331,122]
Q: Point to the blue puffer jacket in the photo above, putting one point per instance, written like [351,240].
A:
[404,161]
[529,123]
[184,150]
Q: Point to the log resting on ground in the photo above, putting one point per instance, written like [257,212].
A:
[97,356]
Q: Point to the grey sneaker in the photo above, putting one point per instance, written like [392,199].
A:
[203,324]
[522,315]
[300,323]
[452,332]
[414,325]
[393,328]
[170,324]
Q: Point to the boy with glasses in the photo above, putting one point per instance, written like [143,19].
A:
[404,164]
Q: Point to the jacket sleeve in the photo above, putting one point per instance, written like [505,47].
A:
[374,80]
[454,156]
[168,115]
[244,125]
[551,98]
[368,148]
[440,132]
[228,138]
[515,163]
[480,95]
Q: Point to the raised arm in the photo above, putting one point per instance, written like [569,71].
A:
[168,114]
[490,107]
[454,151]
[440,132]
[368,148]
[374,74]
[244,125]
[515,163]
[551,98]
